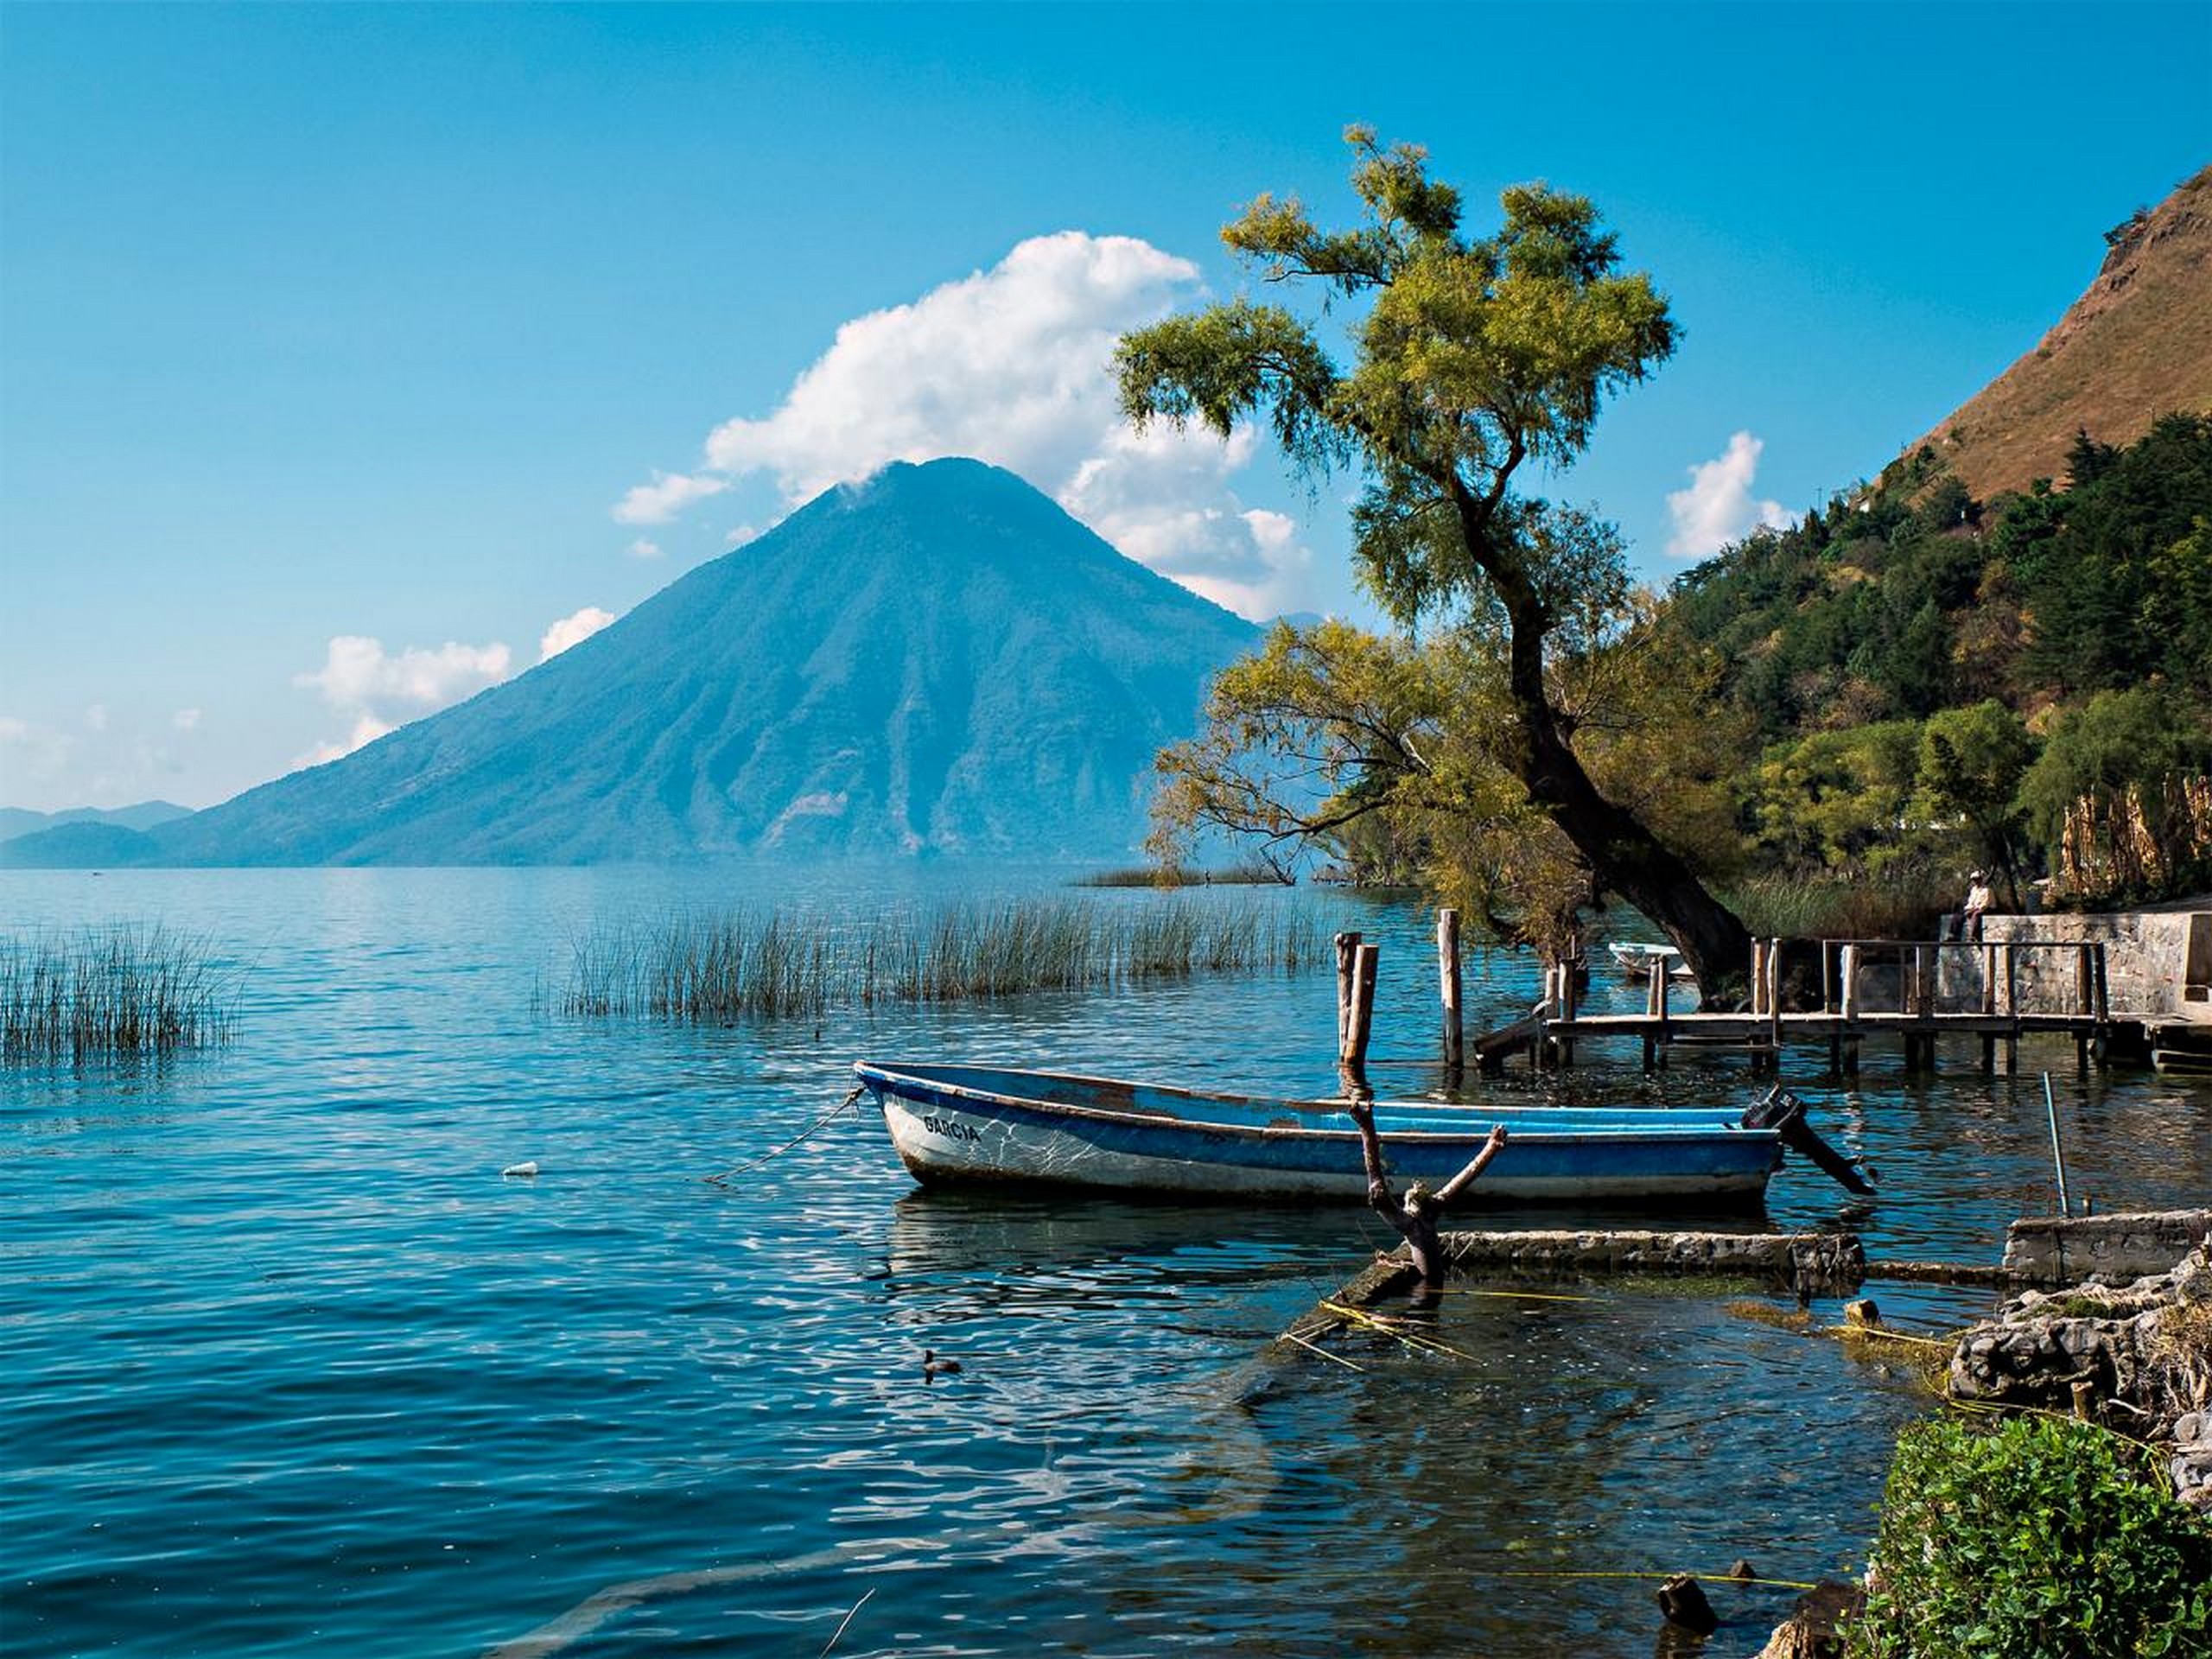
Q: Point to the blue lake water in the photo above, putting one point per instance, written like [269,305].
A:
[289,1364]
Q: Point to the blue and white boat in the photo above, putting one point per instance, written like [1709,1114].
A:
[988,1123]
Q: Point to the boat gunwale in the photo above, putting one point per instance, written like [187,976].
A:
[869,1070]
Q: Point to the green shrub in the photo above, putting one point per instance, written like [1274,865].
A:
[2036,1540]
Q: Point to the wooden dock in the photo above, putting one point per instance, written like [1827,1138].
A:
[1915,991]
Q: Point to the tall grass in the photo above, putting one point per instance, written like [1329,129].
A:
[1185,875]
[1896,906]
[718,966]
[117,992]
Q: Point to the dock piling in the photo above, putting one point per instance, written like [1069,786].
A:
[1361,1015]
[1447,973]
[1347,955]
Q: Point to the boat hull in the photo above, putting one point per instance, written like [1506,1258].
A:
[948,1128]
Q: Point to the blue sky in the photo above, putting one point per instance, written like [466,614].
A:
[332,341]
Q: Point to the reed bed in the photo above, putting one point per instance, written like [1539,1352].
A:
[716,967]
[124,993]
[1899,906]
[1185,875]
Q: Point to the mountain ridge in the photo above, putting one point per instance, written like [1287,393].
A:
[936,660]
[2135,345]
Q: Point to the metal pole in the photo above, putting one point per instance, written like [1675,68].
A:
[2058,1155]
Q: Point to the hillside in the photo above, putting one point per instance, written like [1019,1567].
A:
[937,661]
[2136,345]
[17,822]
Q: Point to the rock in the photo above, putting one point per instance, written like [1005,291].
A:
[1682,1600]
[1811,1631]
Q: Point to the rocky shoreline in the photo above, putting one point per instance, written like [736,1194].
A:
[2135,1356]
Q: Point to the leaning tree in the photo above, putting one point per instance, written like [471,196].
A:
[1472,359]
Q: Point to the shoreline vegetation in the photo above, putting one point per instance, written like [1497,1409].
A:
[111,993]
[718,965]
[1253,874]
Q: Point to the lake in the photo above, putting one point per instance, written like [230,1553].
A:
[289,1363]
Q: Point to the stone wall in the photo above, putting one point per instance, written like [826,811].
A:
[2110,1250]
[2158,963]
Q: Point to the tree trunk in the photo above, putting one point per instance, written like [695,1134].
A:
[1624,855]
[1633,862]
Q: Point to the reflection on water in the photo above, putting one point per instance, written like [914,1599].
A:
[291,1364]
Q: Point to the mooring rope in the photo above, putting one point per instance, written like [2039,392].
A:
[819,1123]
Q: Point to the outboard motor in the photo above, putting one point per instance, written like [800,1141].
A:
[1784,1113]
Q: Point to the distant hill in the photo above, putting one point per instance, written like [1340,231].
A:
[939,660]
[80,845]
[2136,345]
[16,821]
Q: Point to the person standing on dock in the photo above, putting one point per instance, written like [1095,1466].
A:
[1415,1215]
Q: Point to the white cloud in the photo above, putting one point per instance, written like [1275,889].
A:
[642,549]
[362,681]
[740,535]
[96,717]
[668,494]
[1719,508]
[357,671]
[366,729]
[572,629]
[186,720]
[1012,365]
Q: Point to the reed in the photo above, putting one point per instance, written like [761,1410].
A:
[1893,906]
[721,965]
[1185,875]
[117,992]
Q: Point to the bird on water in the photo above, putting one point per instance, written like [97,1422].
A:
[933,1368]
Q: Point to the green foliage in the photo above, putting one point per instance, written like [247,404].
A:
[2120,741]
[2037,1540]
[2093,566]
[2121,799]
[1394,754]
[1971,763]
[1911,597]
[1836,800]
[1470,358]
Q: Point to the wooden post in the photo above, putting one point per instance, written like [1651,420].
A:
[1659,979]
[2009,967]
[1347,953]
[2083,1003]
[1758,977]
[1828,1004]
[1570,1004]
[1847,966]
[1651,1012]
[1447,975]
[1774,995]
[1354,1054]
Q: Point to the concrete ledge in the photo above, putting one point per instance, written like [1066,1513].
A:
[2111,1250]
[1836,1258]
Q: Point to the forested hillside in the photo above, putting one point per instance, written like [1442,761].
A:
[2027,682]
